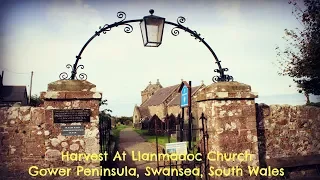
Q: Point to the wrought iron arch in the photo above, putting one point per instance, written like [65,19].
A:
[128,29]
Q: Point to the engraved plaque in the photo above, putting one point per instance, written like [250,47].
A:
[71,115]
[75,130]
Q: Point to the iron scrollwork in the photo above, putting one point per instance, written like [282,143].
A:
[81,76]
[198,36]
[180,21]
[102,29]
[128,29]
[225,77]
[122,15]
[64,75]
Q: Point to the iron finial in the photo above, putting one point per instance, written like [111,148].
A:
[151,11]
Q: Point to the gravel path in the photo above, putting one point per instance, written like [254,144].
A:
[132,141]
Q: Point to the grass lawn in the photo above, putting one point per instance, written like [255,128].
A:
[162,140]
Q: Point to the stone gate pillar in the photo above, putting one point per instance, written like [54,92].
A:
[231,119]
[71,94]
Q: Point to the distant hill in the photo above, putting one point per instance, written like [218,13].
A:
[290,99]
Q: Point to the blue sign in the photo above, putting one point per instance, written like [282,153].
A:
[184,97]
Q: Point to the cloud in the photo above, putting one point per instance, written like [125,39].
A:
[229,11]
[69,16]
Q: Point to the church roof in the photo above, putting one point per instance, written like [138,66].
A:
[160,96]
[144,111]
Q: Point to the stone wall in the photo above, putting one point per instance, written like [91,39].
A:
[289,137]
[71,95]
[136,116]
[22,135]
[30,137]
[288,131]
[175,110]
[159,110]
[231,119]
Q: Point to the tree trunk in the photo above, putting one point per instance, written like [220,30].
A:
[307,96]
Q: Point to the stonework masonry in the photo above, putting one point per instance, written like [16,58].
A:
[290,130]
[235,123]
[30,137]
[158,109]
[22,135]
[175,110]
[282,136]
[231,119]
[289,136]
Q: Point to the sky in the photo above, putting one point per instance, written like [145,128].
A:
[44,36]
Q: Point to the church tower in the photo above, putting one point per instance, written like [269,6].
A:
[149,91]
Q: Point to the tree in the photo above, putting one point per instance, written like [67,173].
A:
[301,58]
[35,101]
[104,115]
[106,111]
[124,120]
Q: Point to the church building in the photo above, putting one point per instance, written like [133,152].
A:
[160,101]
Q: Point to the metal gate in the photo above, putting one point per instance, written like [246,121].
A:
[105,138]
[195,145]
